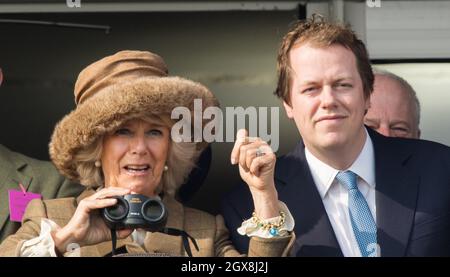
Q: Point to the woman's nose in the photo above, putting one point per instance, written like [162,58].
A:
[138,146]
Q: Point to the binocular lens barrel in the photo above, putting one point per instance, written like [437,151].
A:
[152,210]
[119,210]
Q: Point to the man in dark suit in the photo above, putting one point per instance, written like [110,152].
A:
[351,191]
[35,176]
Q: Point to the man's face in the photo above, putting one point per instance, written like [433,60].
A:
[327,99]
[392,111]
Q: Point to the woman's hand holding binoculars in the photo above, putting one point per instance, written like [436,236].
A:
[86,226]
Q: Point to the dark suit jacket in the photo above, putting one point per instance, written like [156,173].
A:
[36,176]
[412,199]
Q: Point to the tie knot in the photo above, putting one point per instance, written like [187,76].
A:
[348,179]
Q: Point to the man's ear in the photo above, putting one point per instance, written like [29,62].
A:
[1,76]
[289,110]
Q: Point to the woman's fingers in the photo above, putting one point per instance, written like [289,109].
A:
[259,162]
[250,155]
[109,192]
[253,151]
[94,204]
[243,156]
[245,149]
[241,136]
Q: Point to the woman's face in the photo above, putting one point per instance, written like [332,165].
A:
[134,155]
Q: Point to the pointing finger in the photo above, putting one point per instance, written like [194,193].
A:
[240,140]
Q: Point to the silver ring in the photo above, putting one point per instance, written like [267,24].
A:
[260,152]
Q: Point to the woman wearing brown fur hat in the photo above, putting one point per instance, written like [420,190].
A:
[118,142]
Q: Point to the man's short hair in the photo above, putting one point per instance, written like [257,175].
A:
[320,33]
[406,86]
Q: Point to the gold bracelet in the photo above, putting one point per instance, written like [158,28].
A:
[273,228]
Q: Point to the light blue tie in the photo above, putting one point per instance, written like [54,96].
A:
[363,225]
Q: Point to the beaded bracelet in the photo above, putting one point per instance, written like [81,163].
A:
[273,228]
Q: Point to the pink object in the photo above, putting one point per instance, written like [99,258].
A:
[18,201]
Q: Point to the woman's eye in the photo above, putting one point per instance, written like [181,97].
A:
[122,131]
[154,132]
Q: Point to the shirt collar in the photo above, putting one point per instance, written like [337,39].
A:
[363,166]
[322,173]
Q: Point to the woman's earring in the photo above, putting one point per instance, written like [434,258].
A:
[166,168]
[98,164]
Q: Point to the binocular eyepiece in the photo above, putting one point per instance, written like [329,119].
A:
[136,211]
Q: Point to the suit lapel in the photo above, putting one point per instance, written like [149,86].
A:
[396,195]
[315,235]
[10,177]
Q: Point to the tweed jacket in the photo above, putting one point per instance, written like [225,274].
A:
[36,176]
[209,232]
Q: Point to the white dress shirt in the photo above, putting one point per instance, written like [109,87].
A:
[335,195]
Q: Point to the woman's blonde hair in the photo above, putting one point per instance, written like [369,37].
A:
[181,159]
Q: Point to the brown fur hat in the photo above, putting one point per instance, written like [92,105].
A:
[113,90]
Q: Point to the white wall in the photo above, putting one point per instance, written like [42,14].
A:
[409,29]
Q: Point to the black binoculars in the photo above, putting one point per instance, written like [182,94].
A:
[136,211]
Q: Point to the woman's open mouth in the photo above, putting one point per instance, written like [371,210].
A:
[136,170]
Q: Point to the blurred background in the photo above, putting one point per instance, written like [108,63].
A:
[230,46]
